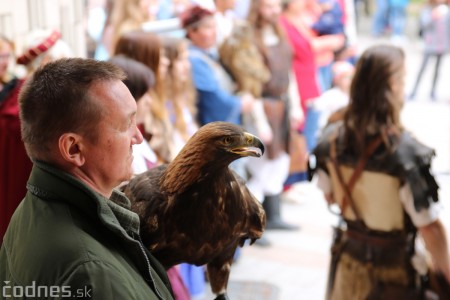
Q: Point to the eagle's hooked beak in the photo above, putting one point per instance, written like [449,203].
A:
[251,146]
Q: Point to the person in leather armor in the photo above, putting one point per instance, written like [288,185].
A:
[379,176]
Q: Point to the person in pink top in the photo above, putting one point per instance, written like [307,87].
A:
[304,66]
[310,53]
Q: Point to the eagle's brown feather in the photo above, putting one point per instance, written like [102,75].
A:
[197,210]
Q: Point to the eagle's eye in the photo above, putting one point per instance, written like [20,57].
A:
[227,140]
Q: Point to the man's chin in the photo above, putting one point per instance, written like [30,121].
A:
[127,177]
[130,175]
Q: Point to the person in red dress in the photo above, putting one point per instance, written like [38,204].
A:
[42,46]
[15,166]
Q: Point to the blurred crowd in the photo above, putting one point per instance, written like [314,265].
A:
[279,68]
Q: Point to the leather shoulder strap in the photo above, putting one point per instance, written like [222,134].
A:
[348,187]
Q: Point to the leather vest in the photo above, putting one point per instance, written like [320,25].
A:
[410,162]
[279,61]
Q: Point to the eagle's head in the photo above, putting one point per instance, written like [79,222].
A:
[213,147]
[225,139]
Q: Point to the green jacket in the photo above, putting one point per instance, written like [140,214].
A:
[66,240]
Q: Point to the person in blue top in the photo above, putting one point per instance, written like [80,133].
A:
[217,100]
[330,20]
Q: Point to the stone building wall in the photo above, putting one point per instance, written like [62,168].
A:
[18,17]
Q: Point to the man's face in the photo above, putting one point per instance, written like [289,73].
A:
[270,10]
[109,158]
[204,36]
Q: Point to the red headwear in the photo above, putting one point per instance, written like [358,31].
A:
[35,51]
[193,15]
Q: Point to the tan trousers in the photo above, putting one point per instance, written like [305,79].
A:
[354,280]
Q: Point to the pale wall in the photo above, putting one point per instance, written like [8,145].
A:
[18,17]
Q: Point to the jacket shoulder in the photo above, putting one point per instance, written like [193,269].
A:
[48,239]
[64,251]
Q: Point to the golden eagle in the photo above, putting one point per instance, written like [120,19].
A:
[195,209]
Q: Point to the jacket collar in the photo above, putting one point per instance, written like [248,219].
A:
[52,184]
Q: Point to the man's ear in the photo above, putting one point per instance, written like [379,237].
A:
[70,146]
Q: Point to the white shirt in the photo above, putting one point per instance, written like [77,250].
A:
[141,153]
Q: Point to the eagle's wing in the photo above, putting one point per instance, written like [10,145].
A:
[255,214]
[148,202]
[251,227]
